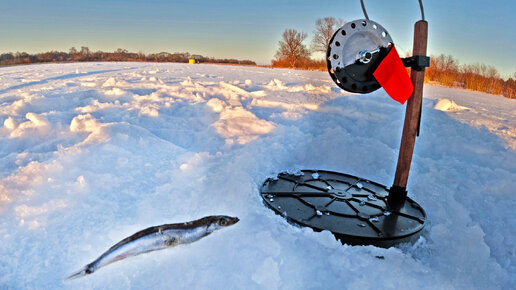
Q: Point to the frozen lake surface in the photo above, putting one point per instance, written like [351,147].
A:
[94,152]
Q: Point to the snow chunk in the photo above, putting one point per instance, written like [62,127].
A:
[37,120]
[187,82]
[448,106]
[115,92]
[35,124]
[217,105]
[87,123]
[81,181]
[10,124]
[14,108]
[234,89]
[242,126]
[84,123]
[111,82]
[276,84]
[258,94]
[149,111]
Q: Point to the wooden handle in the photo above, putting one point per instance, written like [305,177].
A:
[410,127]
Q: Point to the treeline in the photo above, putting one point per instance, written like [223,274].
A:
[85,54]
[294,53]
[446,70]
[305,63]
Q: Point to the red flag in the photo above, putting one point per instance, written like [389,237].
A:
[393,77]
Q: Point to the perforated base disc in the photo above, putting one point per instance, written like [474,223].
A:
[355,210]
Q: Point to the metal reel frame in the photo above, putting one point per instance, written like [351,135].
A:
[354,52]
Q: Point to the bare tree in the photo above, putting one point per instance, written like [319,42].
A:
[445,70]
[85,50]
[324,29]
[292,48]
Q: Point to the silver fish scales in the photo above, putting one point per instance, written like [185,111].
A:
[157,238]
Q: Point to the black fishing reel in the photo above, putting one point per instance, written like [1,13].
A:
[354,52]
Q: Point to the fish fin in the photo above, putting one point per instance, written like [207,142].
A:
[83,272]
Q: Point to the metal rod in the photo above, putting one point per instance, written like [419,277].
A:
[422,10]
[363,9]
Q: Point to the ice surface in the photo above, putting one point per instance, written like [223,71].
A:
[93,152]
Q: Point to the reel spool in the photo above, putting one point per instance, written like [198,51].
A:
[354,52]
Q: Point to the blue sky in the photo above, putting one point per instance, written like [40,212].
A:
[471,30]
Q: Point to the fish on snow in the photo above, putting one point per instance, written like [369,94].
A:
[157,238]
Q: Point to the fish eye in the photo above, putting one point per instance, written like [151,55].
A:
[222,222]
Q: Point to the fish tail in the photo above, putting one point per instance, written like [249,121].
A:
[86,270]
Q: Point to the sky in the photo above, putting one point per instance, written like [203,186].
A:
[473,31]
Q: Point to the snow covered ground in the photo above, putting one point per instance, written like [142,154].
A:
[93,152]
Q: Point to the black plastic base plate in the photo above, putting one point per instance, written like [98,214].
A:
[355,210]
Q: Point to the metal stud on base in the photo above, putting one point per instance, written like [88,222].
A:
[355,210]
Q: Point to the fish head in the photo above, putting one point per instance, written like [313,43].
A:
[223,221]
